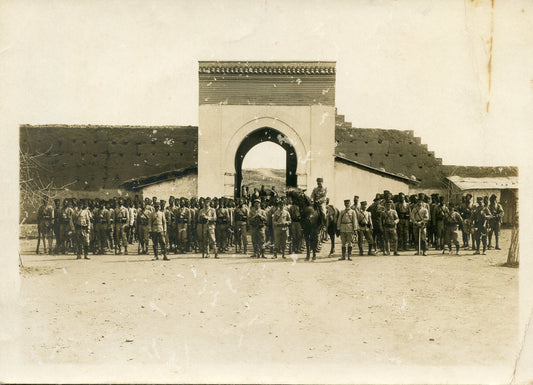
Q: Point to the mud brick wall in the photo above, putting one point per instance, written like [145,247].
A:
[393,150]
[103,157]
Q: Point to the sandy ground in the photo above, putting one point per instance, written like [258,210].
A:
[442,310]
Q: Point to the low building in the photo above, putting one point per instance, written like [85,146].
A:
[178,183]
[505,189]
[354,178]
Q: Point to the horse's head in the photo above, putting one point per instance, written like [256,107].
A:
[298,197]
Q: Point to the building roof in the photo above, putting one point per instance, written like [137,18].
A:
[144,181]
[374,170]
[498,183]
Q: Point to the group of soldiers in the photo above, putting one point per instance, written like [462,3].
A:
[391,223]
[397,222]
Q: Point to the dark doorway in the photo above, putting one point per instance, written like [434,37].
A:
[266,134]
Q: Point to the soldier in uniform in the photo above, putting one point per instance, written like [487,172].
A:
[222,225]
[158,228]
[347,230]
[496,212]
[420,218]
[318,196]
[207,218]
[122,220]
[440,213]
[57,223]
[452,221]
[402,208]
[356,205]
[389,219]
[258,220]
[143,225]
[193,207]
[66,227]
[480,219]
[183,219]
[45,226]
[466,212]
[281,221]
[375,210]
[296,228]
[241,223]
[364,231]
[82,224]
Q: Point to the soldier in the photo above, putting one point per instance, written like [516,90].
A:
[480,218]
[45,224]
[241,223]
[111,231]
[57,223]
[466,212]
[440,213]
[432,224]
[389,219]
[375,210]
[318,196]
[192,243]
[183,219]
[402,208]
[356,205]
[98,230]
[296,228]
[364,231]
[158,228]
[66,226]
[452,221]
[82,224]
[122,220]
[143,226]
[496,212]
[222,225]
[419,218]
[131,224]
[258,220]
[281,221]
[346,229]
[207,218]
[171,236]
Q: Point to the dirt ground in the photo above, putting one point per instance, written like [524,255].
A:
[189,313]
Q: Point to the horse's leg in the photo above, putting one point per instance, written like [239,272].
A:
[332,236]
[38,240]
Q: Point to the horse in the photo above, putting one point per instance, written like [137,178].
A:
[310,221]
[332,214]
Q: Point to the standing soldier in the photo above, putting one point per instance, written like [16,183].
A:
[281,220]
[346,229]
[98,229]
[172,225]
[480,219]
[375,210]
[356,205]
[57,223]
[364,230]
[402,208]
[222,225]
[82,224]
[158,227]
[496,212]
[466,212]
[131,224]
[257,220]
[111,231]
[66,226]
[122,220]
[183,218]
[241,222]
[296,228]
[420,218]
[192,244]
[452,221]
[143,225]
[45,224]
[389,219]
[207,218]
[440,213]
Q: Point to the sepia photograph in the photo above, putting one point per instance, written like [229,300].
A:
[266,191]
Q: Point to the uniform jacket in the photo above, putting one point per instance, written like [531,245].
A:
[158,222]
[319,194]
[389,218]
[281,218]
[257,217]
[419,215]
[347,222]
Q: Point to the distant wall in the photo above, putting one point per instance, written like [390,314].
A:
[103,157]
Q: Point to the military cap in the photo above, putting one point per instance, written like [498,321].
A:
[364,203]
[493,197]
[401,194]
[378,197]
[346,201]
[479,199]
[356,197]
[207,199]
[319,179]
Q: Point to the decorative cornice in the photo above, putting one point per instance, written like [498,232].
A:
[267,68]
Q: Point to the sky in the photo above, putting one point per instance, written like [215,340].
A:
[408,65]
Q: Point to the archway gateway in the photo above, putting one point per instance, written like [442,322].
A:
[266,134]
[242,104]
